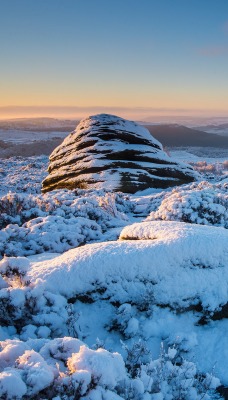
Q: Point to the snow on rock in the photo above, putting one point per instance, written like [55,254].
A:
[182,265]
[106,151]
[199,203]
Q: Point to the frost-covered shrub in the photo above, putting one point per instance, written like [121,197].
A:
[34,371]
[58,221]
[216,168]
[22,174]
[14,271]
[62,367]
[18,208]
[146,204]
[136,356]
[51,233]
[11,385]
[168,377]
[32,312]
[199,203]
[124,321]
[100,206]
[106,368]
[69,369]
[172,377]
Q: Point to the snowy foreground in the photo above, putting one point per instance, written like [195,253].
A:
[105,296]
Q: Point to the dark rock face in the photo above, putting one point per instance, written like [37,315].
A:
[109,152]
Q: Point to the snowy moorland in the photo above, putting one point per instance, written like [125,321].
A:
[109,296]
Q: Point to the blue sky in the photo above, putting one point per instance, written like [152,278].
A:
[167,55]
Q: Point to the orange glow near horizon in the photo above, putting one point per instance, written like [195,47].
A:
[136,113]
[146,60]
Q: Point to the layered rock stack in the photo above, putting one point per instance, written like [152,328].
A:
[109,152]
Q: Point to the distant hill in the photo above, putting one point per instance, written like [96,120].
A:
[169,134]
[39,124]
[3,145]
[40,147]
[221,129]
[179,135]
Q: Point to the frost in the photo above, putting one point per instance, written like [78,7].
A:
[88,323]
[12,385]
[58,221]
[84,373]
[202,203]
[106,368]
[35,371]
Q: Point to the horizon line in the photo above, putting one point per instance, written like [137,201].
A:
[141,108]
[79,112]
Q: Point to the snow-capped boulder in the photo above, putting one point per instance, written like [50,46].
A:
[180,261]
[106,151]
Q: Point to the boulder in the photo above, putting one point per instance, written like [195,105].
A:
[106,151]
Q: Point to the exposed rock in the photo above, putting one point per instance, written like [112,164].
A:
[106,151]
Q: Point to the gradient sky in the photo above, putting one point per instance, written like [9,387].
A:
[160,56]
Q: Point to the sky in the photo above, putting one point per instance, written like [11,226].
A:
[130,57]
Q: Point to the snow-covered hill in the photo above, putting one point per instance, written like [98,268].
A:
[218,129]
[37,124]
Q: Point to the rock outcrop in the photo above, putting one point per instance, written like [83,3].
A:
[106,151]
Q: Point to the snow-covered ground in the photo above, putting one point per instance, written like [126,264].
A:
[198,154]
[111,296]
[25,136]
[201,123]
